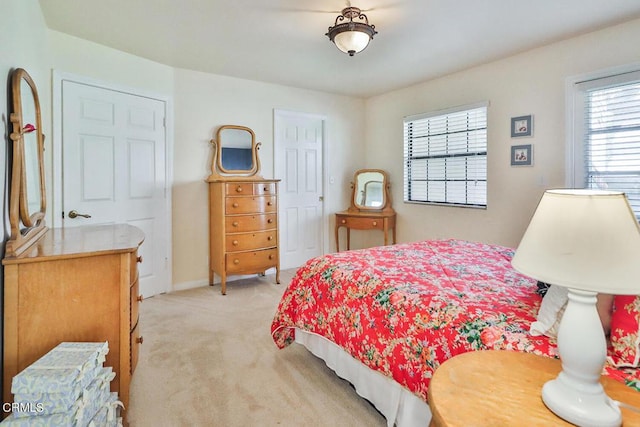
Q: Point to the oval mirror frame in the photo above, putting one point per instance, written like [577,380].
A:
[235,152]
[370,191]
[27,204]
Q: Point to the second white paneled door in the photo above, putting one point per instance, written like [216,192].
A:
[298,142]
[113,169]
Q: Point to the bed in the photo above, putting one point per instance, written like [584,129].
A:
[385,318]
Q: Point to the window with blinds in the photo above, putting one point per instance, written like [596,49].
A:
[612,139]
[445,157]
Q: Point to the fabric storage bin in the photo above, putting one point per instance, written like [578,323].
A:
[95,397]
[109,414]
[55,382]
[62,369]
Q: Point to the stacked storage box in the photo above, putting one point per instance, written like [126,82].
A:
[68,386]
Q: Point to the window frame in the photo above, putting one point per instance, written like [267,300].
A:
[406,161]
[576,90]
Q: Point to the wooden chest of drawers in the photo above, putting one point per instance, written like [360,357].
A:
[243,228]
[74,284]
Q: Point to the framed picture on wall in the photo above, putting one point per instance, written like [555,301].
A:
[522,155]
[521,126]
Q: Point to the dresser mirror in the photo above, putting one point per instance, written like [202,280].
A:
[27,204]
[235,152]
[370,190]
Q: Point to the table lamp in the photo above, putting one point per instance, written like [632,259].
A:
[589,242]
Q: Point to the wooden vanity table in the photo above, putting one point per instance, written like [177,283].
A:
[370,207]
[365,221]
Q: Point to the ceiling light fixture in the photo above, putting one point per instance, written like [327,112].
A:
[351,37]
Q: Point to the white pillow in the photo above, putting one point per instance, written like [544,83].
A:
[550,313]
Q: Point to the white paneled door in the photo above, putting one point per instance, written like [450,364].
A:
[113,169]
[298,143]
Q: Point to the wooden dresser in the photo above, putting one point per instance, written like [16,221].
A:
[243,227]
[74,284]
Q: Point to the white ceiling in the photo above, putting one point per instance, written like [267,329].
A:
[284,42]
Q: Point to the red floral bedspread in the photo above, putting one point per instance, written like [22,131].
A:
[404,309]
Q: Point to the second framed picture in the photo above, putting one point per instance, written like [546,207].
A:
[522,155]
[521,126]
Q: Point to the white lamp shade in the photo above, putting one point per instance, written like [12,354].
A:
[583,239]
[352,41]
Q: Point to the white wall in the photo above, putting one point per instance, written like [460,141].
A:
[23,46]
[529,83]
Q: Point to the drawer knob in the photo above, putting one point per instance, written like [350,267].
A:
[270,256]
[270,238]
[139,259]
[235,223]
[139,340]
[375,223]
[266,188]
[235,205]
[236,261]
[235,243]
[140,298]
[269,221]
[239,189]
[344,221]
[269,203]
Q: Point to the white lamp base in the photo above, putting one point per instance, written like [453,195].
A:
[576,394]
[579,407]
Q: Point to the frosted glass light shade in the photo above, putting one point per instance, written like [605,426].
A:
[351,32]
[351,42]
[583,239]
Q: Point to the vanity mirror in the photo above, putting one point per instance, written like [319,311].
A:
[235,153]
[370,191]
[27,203]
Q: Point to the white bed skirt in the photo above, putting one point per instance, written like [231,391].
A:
[398,405]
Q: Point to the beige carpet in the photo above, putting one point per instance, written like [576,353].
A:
[208,360]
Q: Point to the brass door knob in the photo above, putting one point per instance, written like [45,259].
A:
[74,214]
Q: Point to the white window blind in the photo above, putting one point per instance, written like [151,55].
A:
[445,157]
[612,139]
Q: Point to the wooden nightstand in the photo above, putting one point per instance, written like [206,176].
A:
[503,388]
